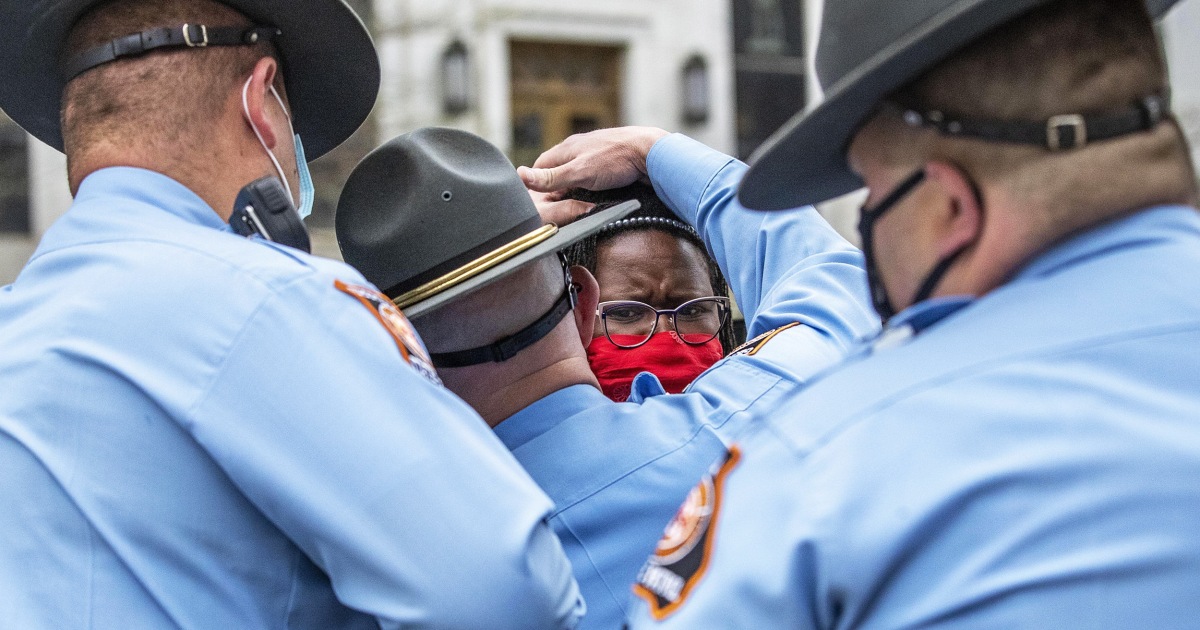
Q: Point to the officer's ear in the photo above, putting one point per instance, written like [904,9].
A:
[959,221]
[259,106]
[587,297]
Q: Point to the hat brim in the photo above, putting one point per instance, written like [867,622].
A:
[330,67]
[564,238]
[805,161]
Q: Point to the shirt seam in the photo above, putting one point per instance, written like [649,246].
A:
[712,180]
[265,281]
[690,439]
[740,363]
[189,416]
[555,410]
[787,281]
[591,561]
[707,424]
[94,533]
[652,162]
[234,342]
[295,588]
[804,450]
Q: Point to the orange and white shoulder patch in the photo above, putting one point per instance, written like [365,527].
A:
[681,557]
[397,325]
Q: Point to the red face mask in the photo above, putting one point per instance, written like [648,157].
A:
[675,363]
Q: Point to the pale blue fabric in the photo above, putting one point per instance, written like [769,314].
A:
[198,430]
[618,472]
[1030,461]
[308,193]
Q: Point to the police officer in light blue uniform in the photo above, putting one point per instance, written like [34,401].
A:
[205,431]
[502,338]
[1020,447]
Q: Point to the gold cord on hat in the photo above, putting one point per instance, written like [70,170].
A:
[476,267]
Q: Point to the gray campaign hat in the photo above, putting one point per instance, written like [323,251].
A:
[868,49]
[329,62]
[437,213]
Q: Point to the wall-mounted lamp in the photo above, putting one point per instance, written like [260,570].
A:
[696,100]
[456,79]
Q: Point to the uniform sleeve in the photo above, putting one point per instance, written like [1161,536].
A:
[393,486]
[755,563]
[783,267]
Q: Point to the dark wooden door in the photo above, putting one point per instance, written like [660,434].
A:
[561,89]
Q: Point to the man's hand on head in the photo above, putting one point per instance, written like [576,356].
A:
[553,208]
[598,160]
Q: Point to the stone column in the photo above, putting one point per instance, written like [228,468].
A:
[49,194]
[1179,30]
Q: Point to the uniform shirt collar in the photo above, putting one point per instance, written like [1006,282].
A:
[927,313]
[1150,224]
[536,419]
[913,321]
[1074,251]
[148,187]
[123,203]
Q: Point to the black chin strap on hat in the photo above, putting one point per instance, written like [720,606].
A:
[1058,133]
[934,277]
[508,347]
[866,229]
[186,36]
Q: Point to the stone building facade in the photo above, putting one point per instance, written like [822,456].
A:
[526,73]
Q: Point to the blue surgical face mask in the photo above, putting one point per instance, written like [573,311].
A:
[307,193]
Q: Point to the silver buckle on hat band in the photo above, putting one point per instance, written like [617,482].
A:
[1074,122]
[187,36]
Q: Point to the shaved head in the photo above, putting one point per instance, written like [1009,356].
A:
[166,98]
[495,311]
[1069,56]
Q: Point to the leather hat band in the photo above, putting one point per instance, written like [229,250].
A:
[186,36]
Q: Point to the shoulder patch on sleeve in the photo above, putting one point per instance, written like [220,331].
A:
[393,320]
[751,348]
[681,557]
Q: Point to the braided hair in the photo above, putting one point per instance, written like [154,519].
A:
[653,215]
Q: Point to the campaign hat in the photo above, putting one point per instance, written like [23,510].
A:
[867,50]
[437,213]
[329,64]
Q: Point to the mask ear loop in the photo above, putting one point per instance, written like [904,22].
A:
[943,267]
[258,134]
[866,230]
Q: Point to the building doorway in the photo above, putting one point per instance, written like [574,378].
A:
[561,89]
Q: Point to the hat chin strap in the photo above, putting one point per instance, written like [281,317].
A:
[1058,133]
[508,347]
[186,36]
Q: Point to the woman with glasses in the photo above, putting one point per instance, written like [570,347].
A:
[664,306]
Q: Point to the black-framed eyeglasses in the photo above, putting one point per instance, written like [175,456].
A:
[629,324]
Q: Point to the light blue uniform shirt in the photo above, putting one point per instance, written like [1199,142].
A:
[1031,460]
[198,430]
[618,471]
